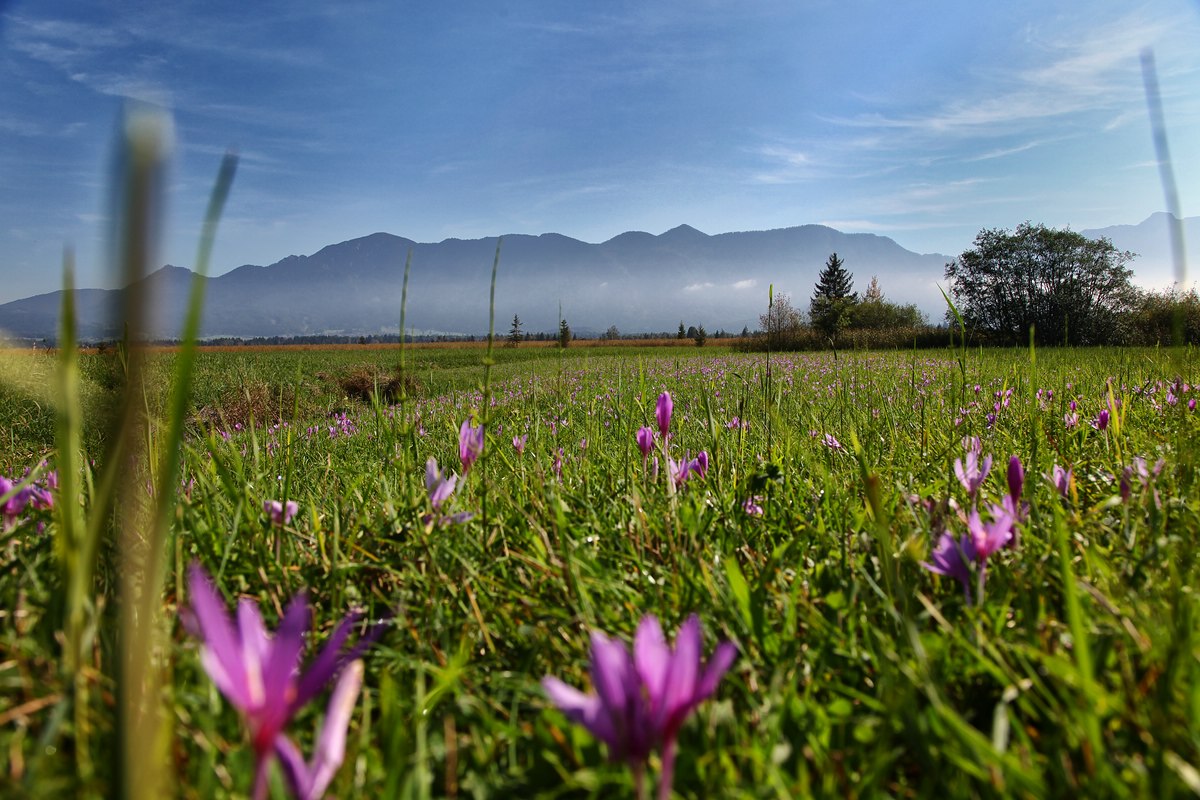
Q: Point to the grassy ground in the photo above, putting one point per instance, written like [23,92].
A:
[860,673]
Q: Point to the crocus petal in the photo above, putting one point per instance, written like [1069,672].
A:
[295,771]
[331,658]
[280,668]
[960,472]
[611,677]
[256,648]
[950,558]
[223,654]
[645,440]
[1016,478]
[722,659]
[331,744]
[432,475]
[651,655]
[441,489]
[584,709]
[677,699]
[662,412]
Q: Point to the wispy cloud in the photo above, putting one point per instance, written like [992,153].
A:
[1004,151]
[1075,70]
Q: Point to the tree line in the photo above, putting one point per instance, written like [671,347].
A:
[1057,286]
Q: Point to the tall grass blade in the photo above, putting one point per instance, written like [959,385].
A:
[142,160]
[76,554]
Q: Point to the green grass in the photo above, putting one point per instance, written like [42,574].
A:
[860,673]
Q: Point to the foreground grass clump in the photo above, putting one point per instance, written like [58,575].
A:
[802,538]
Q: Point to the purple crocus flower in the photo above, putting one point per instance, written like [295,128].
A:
[641,701]
[990,537]
[752,506]
[645,442]
[280,513]
[1061,478]
[308,781]
[682,470]
[470,444]
[260,674]
[14,505]
[1016,510]
[1016,479]
[439,485]
[972,473]
[32,495]
[1101,421]
[951,558]
[519,443]
[662,412]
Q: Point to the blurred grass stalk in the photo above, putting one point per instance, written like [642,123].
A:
[1166,174]
[136,490]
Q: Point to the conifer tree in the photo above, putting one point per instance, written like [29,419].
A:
[833,299]
[514,333]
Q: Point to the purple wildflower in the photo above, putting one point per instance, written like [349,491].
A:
[259,674]
[14,505]
[645,442]
[831,442]
[519,443]
[951,558]
[1061,478]
[752,506]
[990,537]
[439,485]
[971,474]
[470,444]
[662,412]
[642,700]
[1101,421]
[280,513]
[682,470]
[1016,479]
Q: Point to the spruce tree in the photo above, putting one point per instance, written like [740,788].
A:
[514,333]
[833,299]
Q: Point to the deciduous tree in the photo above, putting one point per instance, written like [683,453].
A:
[1069,288]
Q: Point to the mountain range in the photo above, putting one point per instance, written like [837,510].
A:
[636,281]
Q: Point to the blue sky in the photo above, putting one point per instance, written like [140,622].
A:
[923,121]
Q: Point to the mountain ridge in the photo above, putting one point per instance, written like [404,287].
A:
[635,280]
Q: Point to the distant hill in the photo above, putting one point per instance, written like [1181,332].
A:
[1150,239]
[636,281]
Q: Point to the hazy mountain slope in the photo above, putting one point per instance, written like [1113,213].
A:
[636,281]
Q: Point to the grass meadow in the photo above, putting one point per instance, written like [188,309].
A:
[1066,662]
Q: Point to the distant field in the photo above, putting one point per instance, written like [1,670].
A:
[1064,661]
[274,382]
